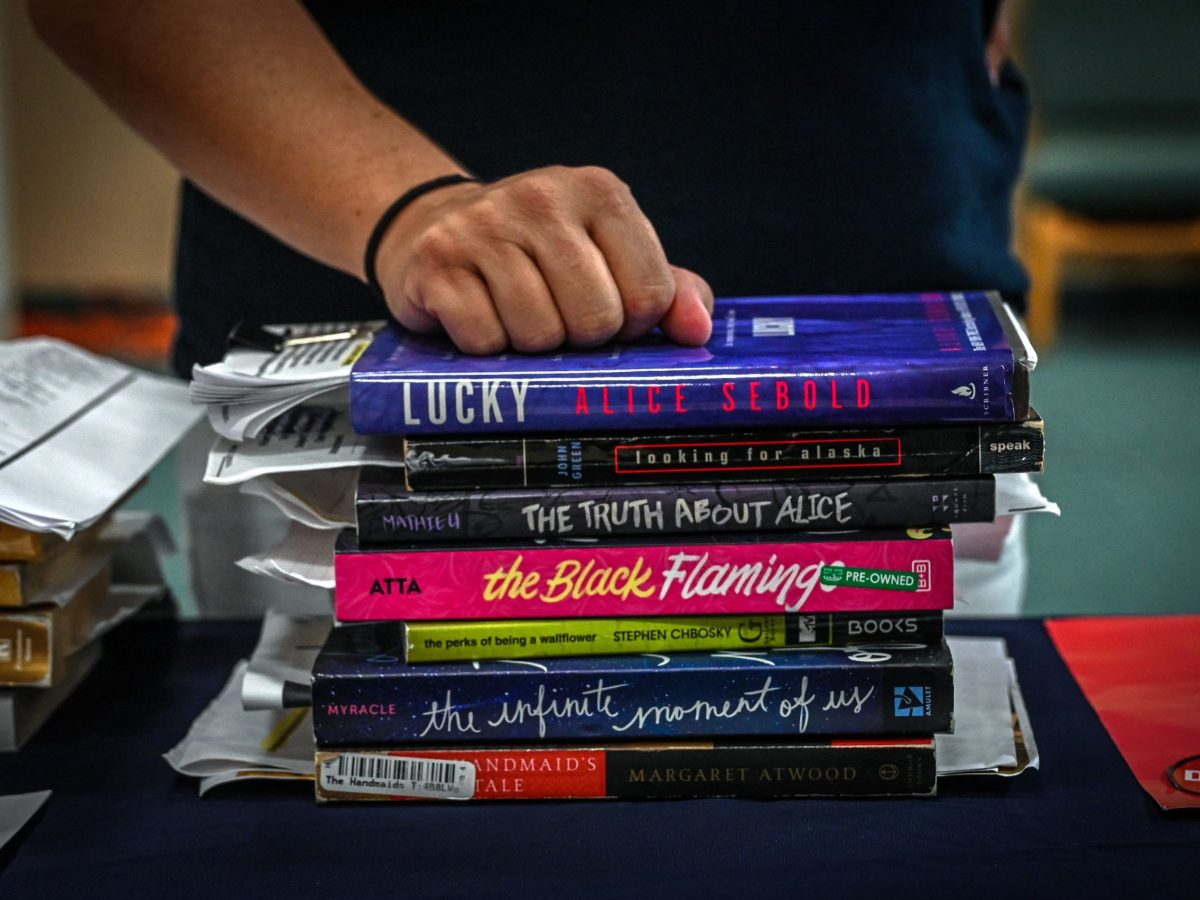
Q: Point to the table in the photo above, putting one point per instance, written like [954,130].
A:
[122,823]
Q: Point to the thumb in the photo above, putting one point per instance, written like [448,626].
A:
[689,319]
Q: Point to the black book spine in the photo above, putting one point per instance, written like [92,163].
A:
[847,629]
[509,462]
[386,512]
[683,770]
[775,771]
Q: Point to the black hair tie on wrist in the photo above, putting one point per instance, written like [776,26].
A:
[394,210]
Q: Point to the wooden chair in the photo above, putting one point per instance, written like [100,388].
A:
[1048,237]
[1114,169]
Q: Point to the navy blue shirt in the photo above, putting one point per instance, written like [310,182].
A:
[801,147]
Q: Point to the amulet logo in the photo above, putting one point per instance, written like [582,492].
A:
[910,702]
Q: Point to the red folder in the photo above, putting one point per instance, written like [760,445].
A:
[1142,676]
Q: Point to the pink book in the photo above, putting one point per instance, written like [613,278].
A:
[848,571]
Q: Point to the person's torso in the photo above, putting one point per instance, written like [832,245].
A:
[803,147]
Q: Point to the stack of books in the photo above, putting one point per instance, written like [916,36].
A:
[652,571]
[57,598]
[78,434]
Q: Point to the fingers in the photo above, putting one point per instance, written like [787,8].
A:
[632,251]
[582,288]
[458,302]
[507,304]
[545,258]
[523,301]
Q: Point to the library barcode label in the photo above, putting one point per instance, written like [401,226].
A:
[401,776]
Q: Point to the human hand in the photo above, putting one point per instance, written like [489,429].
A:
[548,257]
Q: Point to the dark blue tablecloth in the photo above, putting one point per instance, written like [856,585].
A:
[121,822]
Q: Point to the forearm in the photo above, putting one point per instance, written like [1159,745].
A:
[250,101]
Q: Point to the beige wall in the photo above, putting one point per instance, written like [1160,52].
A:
[91,206]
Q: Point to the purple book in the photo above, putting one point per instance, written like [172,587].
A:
[870,359]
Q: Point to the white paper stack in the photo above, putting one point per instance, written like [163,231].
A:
[249,388]
[246,733]
[312,438]
[307,465]
[78,432]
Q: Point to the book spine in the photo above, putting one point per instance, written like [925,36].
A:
[35,641]
[950,451]
[600,580]
[26,650]
[543,638]
[12,592]
[635,772]
[387,515]
[19,545]
[63,567]
[23,712]
[519,701]
[950,389]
